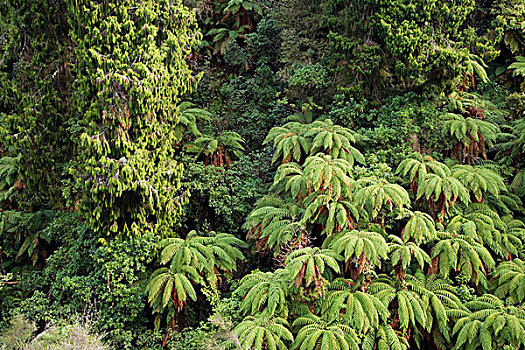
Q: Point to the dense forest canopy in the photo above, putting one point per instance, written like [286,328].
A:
[245,174]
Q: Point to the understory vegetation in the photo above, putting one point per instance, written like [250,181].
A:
[262,174]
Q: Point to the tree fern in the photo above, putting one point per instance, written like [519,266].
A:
[262,332]
[289,178]
[401,255]
[301,137]
[461,254]
[384,337]
[478,224]
[503,236]
[319,333]
[206,254]
[409,309]
[512,236]
[375,195]
[305,116]
[190,114]
[489,325]
[510,277]
[225,250]
[420,227]
[307,265]
[322,172]
[518,183]
[416,167]
[513,149]
[333,213]
[441,297]
[335,140]
[172,285]
[505,203]
[479,180]
[265,292]
[475,65]
[441,191]
[473,136]
[518,67]
[360,310]
[289,142]
[218,149]
[274,222]
[186,252]
[360,247]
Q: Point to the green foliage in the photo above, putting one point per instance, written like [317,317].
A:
[306,266]
[307,80]
[202,253]
[22,232]
[401,254]
[360,310]
[510,276]
[128,102]
[301,34]
[486,227]
[242,5]
[316,332]
[474,136]
[439,297]
[509,15]
[379,47]
[78,335]
[375,195]
[461,254]
[224,196]
[96,126]
[420,227]
[35,108]
[18,335]
[215,149]
[296,140]
[188,260]
[487,323]
[82,277]
[360,248]
[399,126]
[263,333]
[421,48]
[265,293]
[479,180]
[10,176]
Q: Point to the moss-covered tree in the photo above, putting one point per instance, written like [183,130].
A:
[130,74]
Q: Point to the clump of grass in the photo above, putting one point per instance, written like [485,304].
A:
[77,335]
[18,335]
